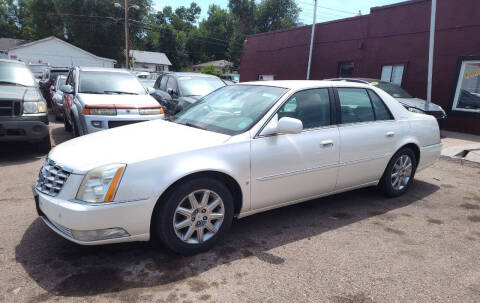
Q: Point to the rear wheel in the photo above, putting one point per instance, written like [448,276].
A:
[194,216]
[75,131]
[398,175]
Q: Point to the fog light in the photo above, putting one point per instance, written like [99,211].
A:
[97,124]
[99,234]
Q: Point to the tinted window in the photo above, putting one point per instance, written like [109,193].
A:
[110,83]
[199,86]
[232,109]
[381,110]
[355,105]
[16,73]
[157,83]
[312,107]
[163,83]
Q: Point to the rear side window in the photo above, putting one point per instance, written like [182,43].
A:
[381,110]
[355,105]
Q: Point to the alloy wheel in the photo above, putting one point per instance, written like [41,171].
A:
[401,172]
[198,216]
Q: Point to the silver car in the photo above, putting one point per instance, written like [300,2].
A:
[96,99]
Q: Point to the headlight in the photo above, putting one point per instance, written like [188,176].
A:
[150,111]
[99,111]
[415,110]
[100,184]
[34,107]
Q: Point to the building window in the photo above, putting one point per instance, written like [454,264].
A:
[345,69]
[467,92]
[159,68]
[393,73]
[266,77]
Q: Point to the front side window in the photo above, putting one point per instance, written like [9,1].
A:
[467,93]
[312,107]
[231,109]
[172,84]
[345,69]
[393,73]
[110,83]
[355,105]
[15,74]
[163,83]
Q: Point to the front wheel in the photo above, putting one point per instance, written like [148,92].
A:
[194,216]
[398,175]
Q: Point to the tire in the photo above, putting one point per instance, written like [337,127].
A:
[399,174]
[68,126]
[44,146]
[75,131]
[167,214]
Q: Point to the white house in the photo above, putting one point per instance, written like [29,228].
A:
[149,61]
[57,52]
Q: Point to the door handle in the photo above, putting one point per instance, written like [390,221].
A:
[327,143]
[390,134]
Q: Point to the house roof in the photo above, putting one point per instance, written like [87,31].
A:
[217,63]
[149,57]
[7,43]
[64,42]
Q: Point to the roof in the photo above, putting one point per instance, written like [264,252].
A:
[8,43]
[103,69]
[185,74]
[12,61]
[149,57]
[64,42]
[217,63]
[299,84]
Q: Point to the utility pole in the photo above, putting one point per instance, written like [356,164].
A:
[430,53]
[311,40]
[127,51]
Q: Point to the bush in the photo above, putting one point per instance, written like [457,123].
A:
[210,69]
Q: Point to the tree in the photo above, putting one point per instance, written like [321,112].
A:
[8,27]
[243,15]
[277,14]
[210,69]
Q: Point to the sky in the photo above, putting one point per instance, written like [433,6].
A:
[327,9]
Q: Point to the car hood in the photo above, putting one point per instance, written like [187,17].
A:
[132,143]
[13,92]
[419,103]
[100,99]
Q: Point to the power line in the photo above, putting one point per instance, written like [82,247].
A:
[326,7]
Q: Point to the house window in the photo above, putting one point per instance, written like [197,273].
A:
[467,93]
[393,73]
[159,68]
[345,69]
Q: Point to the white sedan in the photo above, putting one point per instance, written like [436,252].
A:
[241,150]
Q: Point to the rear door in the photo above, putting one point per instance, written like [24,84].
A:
[368,136]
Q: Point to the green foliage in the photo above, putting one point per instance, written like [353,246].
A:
[97,26]
[210,69]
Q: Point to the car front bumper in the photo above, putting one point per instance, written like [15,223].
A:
[72,219]
[24,128]
[95,123]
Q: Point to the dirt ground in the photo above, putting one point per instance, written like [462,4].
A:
[351,247]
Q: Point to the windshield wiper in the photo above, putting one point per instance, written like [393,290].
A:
[119,92]
[192,125]
[91,92]
[12,83]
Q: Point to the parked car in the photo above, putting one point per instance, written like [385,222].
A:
[411,103]
[53,73]
[231,77]
[23,111]
[39,70]
[176,91]
[57,96]
[96,99]
[242,149]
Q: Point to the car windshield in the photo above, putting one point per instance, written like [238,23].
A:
[392,89]
[15,74]
[231,110]
[55,73]
[61,81]
[199,86]
[110,83]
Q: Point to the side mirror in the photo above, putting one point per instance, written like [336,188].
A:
[171,92]
[285,125]
[67,89]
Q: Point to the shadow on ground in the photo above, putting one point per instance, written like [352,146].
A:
[66,269]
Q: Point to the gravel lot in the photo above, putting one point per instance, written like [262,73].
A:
[352,247]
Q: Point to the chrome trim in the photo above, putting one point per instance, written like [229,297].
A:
[51,178]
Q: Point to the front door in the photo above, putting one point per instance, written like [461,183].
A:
[289,167]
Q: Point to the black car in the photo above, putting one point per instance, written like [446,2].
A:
[23,111]
[176,91]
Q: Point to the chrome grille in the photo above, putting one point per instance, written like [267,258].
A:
[51,178]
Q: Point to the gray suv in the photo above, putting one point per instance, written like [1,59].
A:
[23,111]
